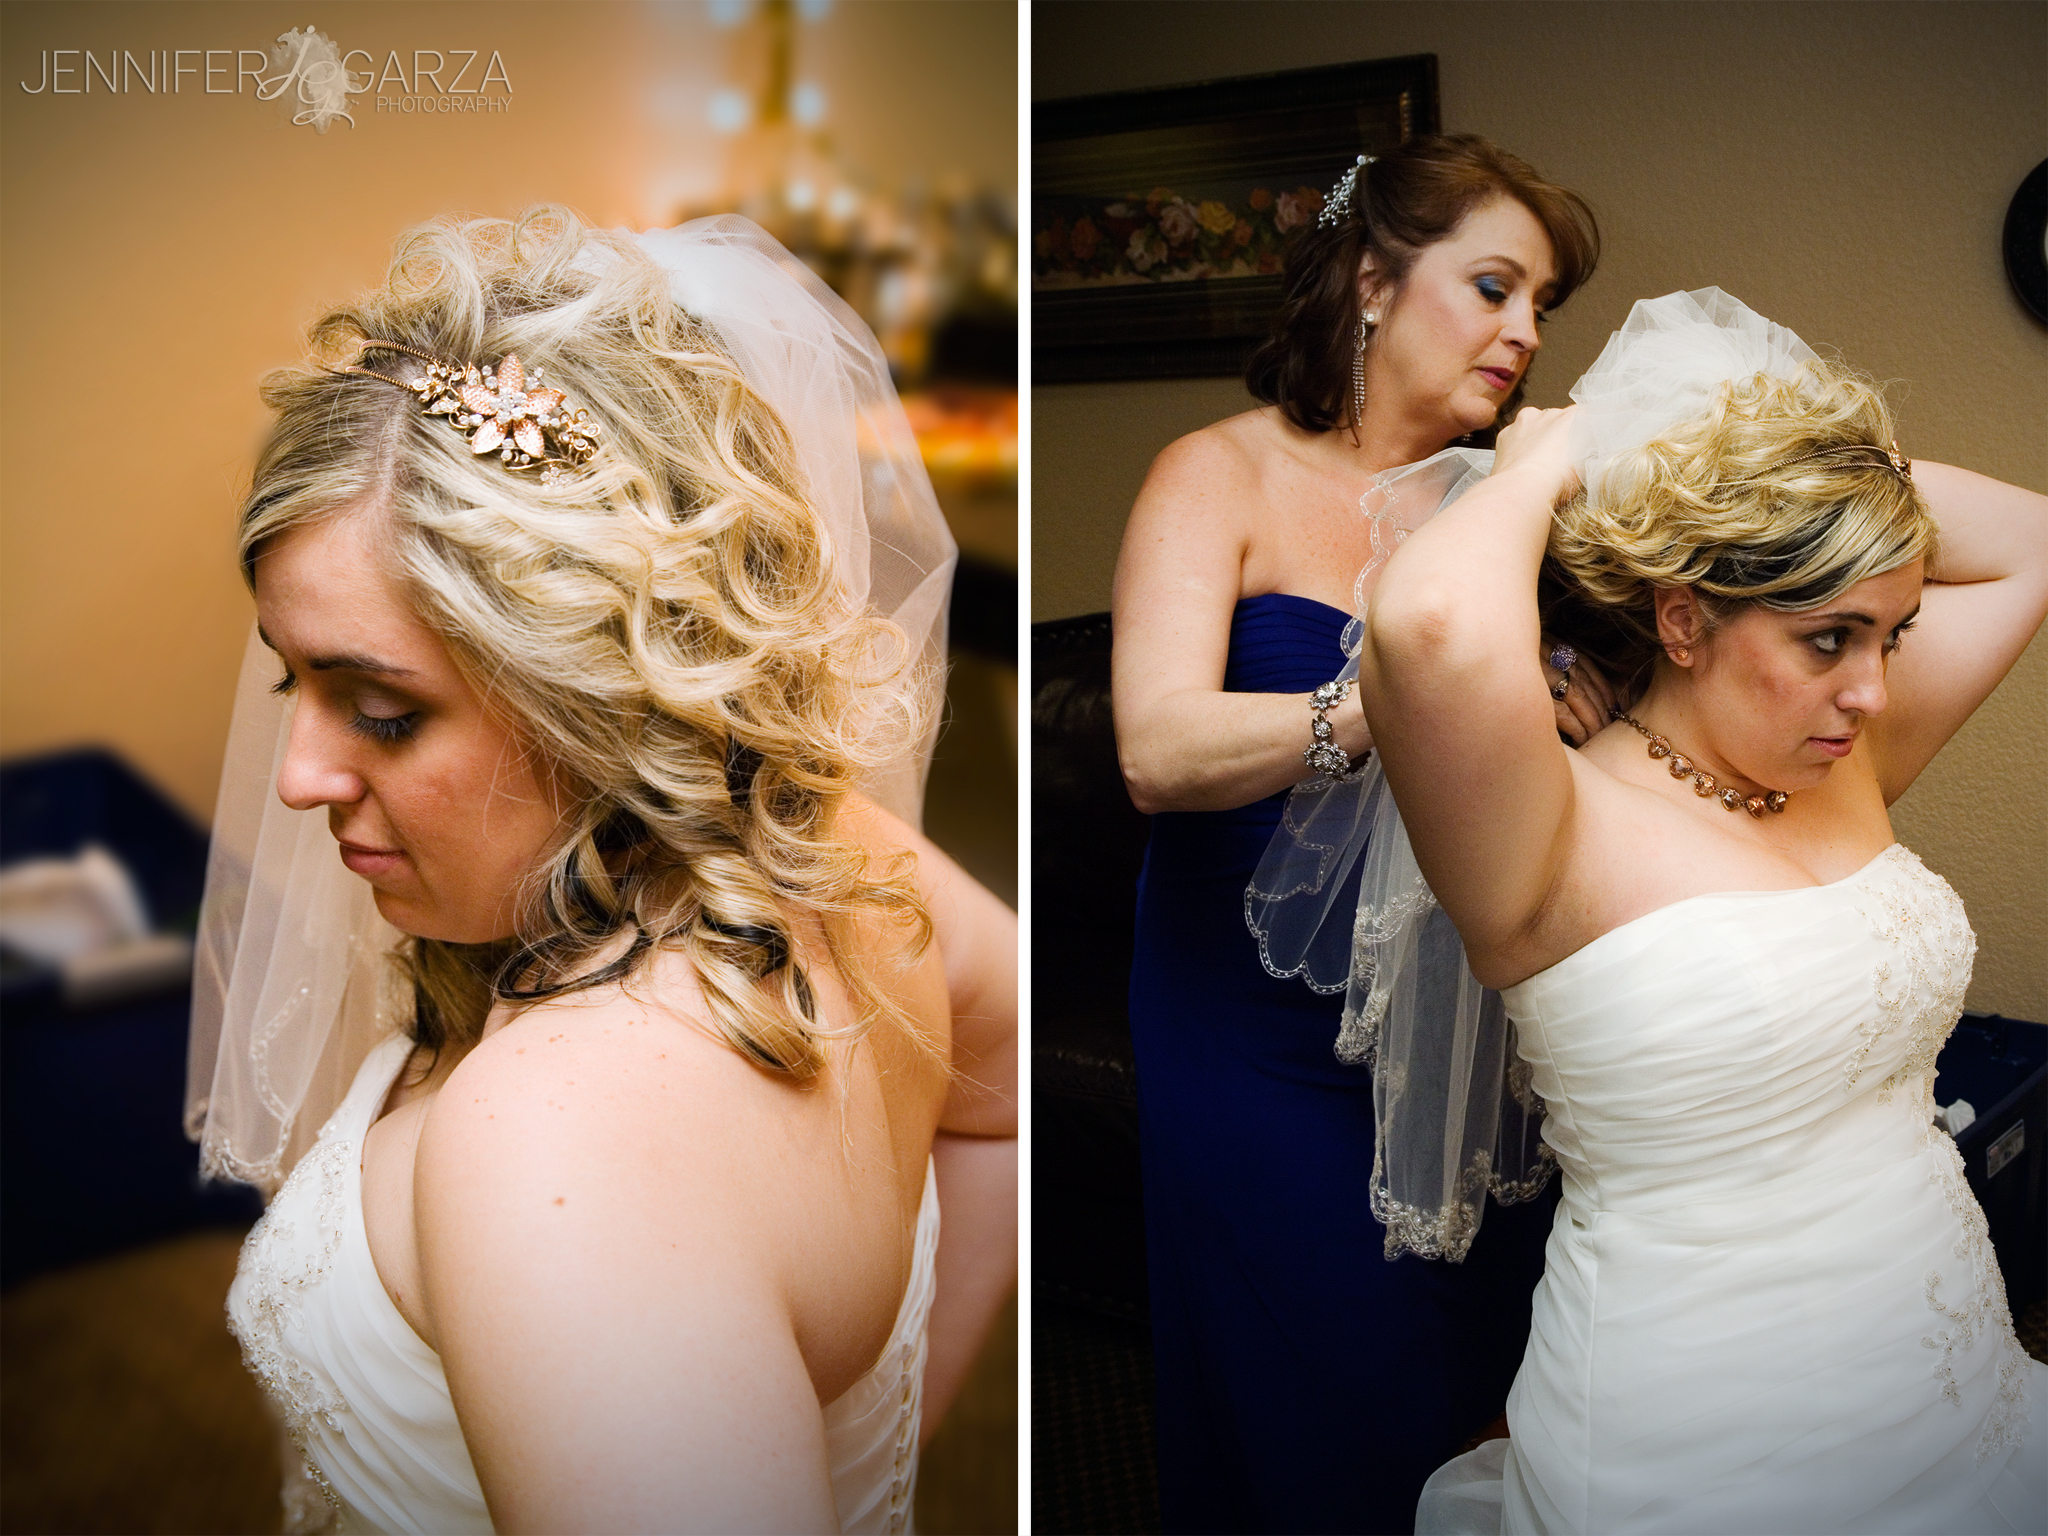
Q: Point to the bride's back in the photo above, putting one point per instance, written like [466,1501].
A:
[598,1270]
[812,1187]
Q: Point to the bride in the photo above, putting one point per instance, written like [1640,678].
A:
[1770,1301]
[569,959]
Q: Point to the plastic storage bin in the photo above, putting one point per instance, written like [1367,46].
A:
[93,1155]
[2001,1066]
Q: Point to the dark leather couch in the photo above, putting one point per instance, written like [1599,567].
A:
[1087,843]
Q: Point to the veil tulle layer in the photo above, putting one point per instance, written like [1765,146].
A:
[1453,1122]
[1666,364]
[1339,900]
[293,981]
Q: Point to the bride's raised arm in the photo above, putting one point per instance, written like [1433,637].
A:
[1450,678]
[1986,594]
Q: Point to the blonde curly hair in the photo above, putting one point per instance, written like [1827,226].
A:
[664,629]
[1781,494]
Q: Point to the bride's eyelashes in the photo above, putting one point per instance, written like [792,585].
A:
[1829,642]
[388,729]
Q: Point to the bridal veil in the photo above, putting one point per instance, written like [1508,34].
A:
[293,984]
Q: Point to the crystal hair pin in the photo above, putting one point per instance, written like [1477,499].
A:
[1340,195]
[497,411]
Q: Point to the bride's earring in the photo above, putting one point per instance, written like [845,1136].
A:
[1681,655]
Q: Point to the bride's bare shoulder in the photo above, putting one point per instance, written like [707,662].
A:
[600,1086]
[609,1207]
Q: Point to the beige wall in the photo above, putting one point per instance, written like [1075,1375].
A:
[159,254]
[1844,168]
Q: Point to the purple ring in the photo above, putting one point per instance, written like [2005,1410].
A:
[1564,658]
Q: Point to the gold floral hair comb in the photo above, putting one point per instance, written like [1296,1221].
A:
[495,408]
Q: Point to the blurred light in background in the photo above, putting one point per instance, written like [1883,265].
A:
[928,257]
[730,111]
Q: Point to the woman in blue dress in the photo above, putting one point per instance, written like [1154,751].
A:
[1303,1382]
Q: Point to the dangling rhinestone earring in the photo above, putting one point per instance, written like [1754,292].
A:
[1366,321]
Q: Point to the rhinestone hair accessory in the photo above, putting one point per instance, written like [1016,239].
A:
[497,411]
[1340,195]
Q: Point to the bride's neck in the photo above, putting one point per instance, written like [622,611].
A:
[1671,707]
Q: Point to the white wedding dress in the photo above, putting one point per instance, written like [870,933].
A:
[1770,1302]
[366,1399]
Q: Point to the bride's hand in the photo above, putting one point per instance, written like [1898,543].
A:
[1538,443]
[1587,699]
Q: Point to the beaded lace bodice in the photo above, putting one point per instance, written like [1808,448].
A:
[367,1402]
[1769,1286]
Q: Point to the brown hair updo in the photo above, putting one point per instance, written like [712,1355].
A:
[1408,198]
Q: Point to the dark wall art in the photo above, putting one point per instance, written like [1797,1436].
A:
[1160,218]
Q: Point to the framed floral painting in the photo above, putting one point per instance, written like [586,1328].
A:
[1160,218]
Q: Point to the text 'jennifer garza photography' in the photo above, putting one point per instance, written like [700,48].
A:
[305,71]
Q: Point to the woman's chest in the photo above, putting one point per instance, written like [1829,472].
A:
[1305,534]
[1742,1012]
[1642,843]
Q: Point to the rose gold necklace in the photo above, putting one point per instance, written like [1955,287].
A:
[1703,784]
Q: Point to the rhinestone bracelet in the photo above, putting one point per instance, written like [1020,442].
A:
[1324,755]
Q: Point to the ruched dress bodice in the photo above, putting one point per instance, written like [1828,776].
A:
[367,1401]
[1770,1301]
[1303,1382]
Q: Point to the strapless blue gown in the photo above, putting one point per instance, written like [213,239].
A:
[1304,1383]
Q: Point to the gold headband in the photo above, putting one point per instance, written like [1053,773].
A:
[1900,464]
[495,410]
